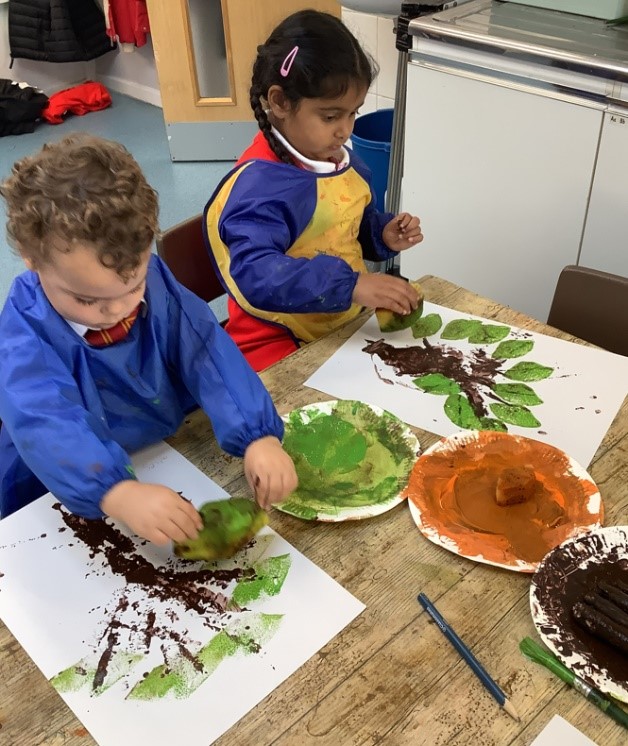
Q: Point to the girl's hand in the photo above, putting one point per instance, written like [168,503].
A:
[269,471]
[152,511]
[402,232]
[385,291]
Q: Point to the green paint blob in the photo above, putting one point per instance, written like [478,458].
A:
[182,677]
[347,458]
[81,675]
[427,325]
[513,348]
[517,393]
[437,383]
[460,328]
[270,575]
[488,334]
[528,371]
[515,415]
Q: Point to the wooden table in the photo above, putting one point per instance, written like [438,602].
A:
[390,677]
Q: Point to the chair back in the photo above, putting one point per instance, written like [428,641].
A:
[182,248]
[592,305]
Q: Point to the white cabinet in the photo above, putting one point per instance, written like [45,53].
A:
[500,176]
[605,242]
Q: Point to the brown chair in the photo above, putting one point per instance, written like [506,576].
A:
[592,305]
[182,248]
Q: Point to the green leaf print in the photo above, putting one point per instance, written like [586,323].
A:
[460,328]
[427,325]
[436,383]
[517,393]
[458,409]
[488,334]
[514,415]
[513,348]
[528,371]
[487,423]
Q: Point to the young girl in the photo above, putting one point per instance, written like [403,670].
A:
[289,228]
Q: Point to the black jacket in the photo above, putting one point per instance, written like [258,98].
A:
[20,108]
[57,30]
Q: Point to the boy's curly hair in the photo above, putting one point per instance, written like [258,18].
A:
[82,188]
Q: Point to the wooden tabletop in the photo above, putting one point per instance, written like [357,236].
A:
[390,677]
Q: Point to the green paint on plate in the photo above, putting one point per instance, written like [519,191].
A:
[346,458]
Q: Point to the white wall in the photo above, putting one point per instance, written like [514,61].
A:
[134,73]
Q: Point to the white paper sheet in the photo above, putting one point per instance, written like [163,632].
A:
[58,603]
[558,732]
[579,400]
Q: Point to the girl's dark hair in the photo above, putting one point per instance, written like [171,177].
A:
[329,61]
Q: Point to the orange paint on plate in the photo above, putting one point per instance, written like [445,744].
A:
[454,490]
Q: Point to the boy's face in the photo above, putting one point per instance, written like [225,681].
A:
[316,127]
[82,290]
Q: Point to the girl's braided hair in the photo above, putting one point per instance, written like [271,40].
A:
[329,61]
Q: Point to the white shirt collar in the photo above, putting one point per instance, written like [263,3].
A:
[82,330]
[319,167]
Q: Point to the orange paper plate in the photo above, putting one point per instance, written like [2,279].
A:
[451,494]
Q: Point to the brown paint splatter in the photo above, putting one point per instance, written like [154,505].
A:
[454,488]
[190,589]
[474,372]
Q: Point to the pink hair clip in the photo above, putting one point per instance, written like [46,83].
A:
[287,63]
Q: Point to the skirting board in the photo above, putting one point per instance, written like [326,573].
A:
[130,88]
[209,141]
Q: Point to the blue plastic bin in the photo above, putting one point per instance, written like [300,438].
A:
[371,138]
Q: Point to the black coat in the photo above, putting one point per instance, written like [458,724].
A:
[20,108]
[57,30]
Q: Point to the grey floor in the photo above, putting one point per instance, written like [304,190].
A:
[183,188]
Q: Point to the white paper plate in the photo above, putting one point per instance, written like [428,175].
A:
[484,453]
[353,460]
[551,592]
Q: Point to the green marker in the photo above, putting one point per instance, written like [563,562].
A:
[536,653]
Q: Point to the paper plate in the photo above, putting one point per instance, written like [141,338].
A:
[353,460]
[563,577]
[452,499]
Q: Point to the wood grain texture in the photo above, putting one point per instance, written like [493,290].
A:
[390,677]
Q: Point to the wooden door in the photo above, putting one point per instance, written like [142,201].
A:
[204,52]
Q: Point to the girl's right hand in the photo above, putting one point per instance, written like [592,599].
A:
[385,291]
[152,511]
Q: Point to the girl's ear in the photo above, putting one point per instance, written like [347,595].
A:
[278,102]
[30,264]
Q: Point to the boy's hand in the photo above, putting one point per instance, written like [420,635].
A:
[402,232]
[152,511]
[385,291]
[269,471]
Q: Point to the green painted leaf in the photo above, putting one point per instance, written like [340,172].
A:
[514,415]
[427,325]
[528,371]
[489,334]
[458,409]
[460,328]
[487,423]
[513,348]
[436,383]
[517,393]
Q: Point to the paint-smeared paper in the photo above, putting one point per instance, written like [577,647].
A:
[148,648]
[453,371]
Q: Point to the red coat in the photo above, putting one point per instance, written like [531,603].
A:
[127,21]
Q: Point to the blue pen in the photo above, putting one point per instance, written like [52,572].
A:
[467,655]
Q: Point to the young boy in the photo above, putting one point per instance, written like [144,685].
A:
[102,352]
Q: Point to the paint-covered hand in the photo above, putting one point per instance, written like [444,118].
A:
[269,471]
[402,232]
[385,291]
[152,511]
